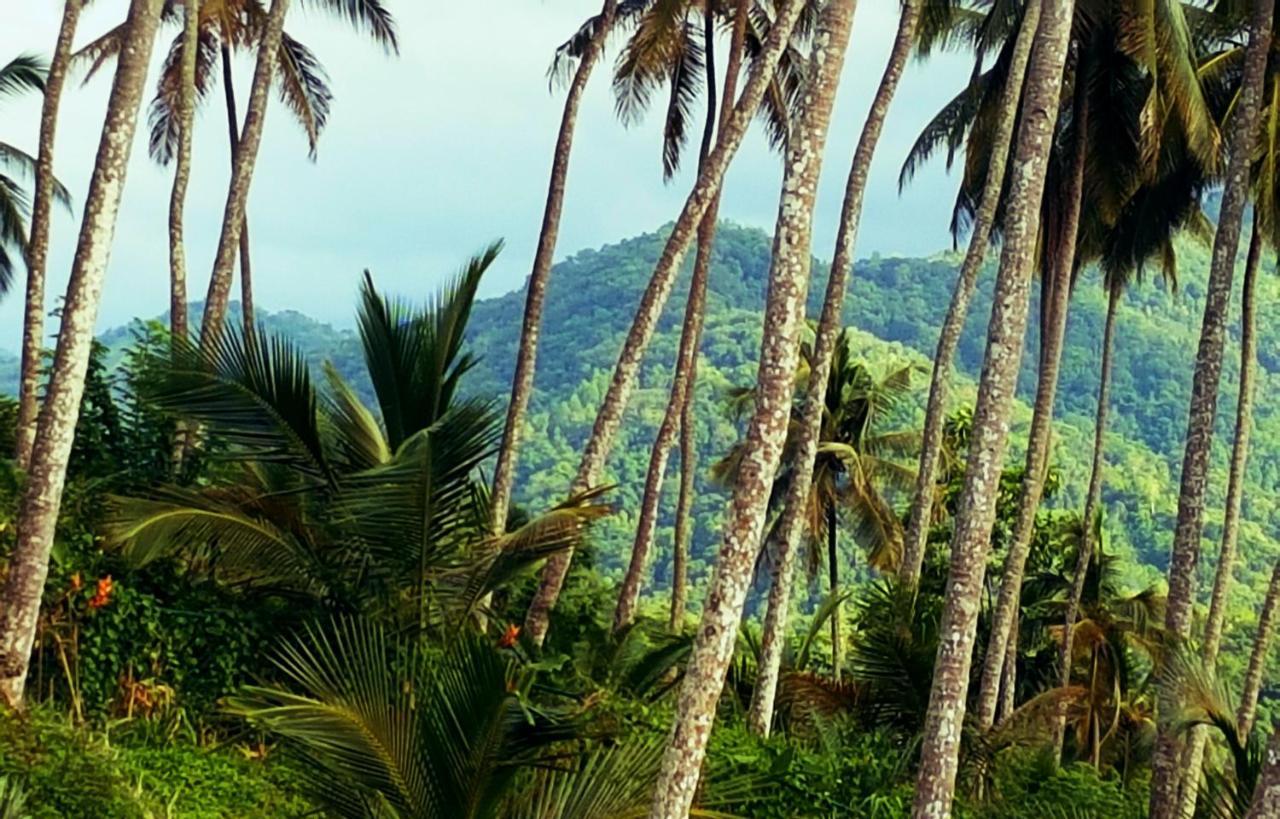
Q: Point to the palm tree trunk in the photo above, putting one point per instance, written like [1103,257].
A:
[760,716]
[706,188]
[1056,296]
[917,533]
[244,157]
[688,440]
[833,570]
[38,245]
[766,433]
[935,786]
[1009,678]
[682,383]
[1093,501]
[527,354]
[1266,796]
[1193,756]
[1185,555]
[182,171]
[233,136]
[42,496]
[1258,657]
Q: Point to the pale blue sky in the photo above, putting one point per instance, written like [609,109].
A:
[431,154]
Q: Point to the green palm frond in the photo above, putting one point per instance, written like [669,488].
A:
[256,396]
[358,437]
[367,16]
[23,73]
[162,115]
[24,163]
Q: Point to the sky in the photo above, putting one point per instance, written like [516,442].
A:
[432,154]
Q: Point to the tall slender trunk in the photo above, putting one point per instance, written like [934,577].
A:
[971,543]
[38,245]
[917,534]
[1266,796]
[682,383]
[833,572]
[245,156]
[705,190]
[42,497]
[1056,298]
[1009,677]
[1193,756]
[233,140]
[688,439]
[182,171]
[1166,771]
[1258,657]
[766,433]
[760,716]
[1093,500]
[527,354]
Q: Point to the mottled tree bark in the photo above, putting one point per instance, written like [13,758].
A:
[917,534]
[245,156]
[182,171]
[767,430]
[684,514]
[38,245]
[1266,796]
[971,543]
[1193,755]
[536,294]
[1258,657]
[1009,676]
[679,404]
[1093,500]
[42,496]
[774,634]
[1056,298]
[233,140]
[706,188]
[1166,770]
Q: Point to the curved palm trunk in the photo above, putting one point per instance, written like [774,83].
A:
[684,508]
[766,433]
[760,717]
[1166,770]
[1093,500]
[833,571]
[245,156]
[1193,755]
[38,246]
[679,405]
[42,497]
[1266,796]
[1009,677]
[917,533]
[935,786]
[182,172]
[527,354]
[233,137]
[1258,657]
[1056,300]
[706,188]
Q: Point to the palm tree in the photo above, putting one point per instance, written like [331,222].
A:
[189,45]
[1185,555]
[1005,88]
[37,251]
[705,189]
[935,787]
[587,46]
[1266,796]
[766,433]
[42,497]
[1258,656]
[21,74]
[648,58]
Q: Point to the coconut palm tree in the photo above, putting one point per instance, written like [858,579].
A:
[37,251]
[42,496]
[1258,656]
[1166,773]
[935,786]
[188,45]
[705,189]
[766,432]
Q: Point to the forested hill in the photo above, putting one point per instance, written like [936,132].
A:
[897,304]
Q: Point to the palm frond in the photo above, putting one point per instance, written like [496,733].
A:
[23,73]
[304,88]
[366,16]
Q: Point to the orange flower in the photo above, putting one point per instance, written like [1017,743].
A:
[77,582]
[509,637]
[103,595]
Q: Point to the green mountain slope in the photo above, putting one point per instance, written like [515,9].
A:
[897,304]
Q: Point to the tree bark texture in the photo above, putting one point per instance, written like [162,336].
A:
[182,171]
